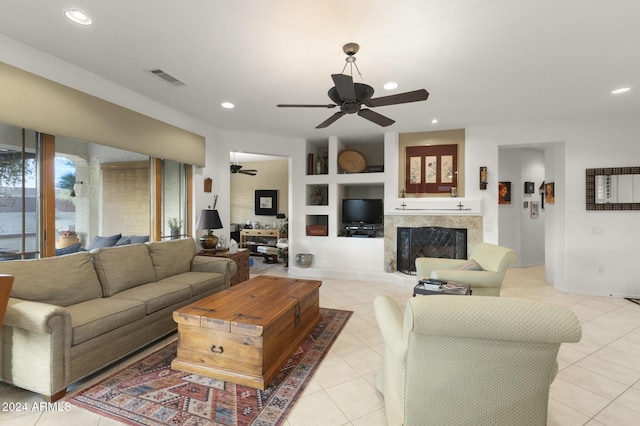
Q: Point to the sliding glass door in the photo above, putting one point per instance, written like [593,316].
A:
[57,194]
[19,193]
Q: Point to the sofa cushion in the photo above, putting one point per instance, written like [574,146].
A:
[199,282]
[123,267]
[99,242]
[172,257]
[61,280]
[156,296]
[94,317]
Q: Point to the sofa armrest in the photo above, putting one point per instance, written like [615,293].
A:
[391,323]
[425,265]
[35,346]
[221,265]
[36,316]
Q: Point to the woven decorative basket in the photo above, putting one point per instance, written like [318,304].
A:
[352,161]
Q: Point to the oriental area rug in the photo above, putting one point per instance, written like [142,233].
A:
[149,392]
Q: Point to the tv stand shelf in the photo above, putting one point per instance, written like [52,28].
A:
[360,231]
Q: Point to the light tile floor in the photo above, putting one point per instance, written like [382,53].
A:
[598,383]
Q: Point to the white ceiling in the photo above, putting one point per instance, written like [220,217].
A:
[483,61]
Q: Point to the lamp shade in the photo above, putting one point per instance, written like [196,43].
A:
[209,219]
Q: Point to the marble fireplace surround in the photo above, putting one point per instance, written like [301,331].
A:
[473,224]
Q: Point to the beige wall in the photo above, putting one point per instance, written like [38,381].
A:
[271,175]
[34,102]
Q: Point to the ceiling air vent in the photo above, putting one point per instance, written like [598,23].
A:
[167,77]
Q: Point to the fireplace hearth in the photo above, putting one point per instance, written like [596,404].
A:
[428,241]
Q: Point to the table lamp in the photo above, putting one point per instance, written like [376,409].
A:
[209,220]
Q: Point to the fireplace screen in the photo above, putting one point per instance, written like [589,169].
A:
[429,241]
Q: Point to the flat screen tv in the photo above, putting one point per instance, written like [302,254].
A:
[368,211]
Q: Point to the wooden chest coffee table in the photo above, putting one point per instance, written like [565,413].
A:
[246,333]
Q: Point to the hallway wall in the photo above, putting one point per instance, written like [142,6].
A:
[518,229]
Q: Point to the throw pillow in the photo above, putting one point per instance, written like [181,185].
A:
[99,242]
[471,265]
[138,239]
[68,250]
[123,242]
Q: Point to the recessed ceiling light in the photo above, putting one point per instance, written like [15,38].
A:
[620,90]
[227,105]
[78,16]
[390,85]
[434,121]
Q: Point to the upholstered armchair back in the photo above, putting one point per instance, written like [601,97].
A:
[470,360]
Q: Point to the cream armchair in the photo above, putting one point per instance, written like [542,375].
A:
[484,270]
[467,360]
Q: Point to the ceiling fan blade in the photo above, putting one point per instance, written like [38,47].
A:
[374,117]
[344,86]
[305,106]
[251,172]
[400,98]
[330,120]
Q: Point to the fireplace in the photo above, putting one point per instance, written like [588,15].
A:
[429,241]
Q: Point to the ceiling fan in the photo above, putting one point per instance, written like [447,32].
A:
[350,96]
[237,168]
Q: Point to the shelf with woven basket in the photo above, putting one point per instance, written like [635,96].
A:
[347,169]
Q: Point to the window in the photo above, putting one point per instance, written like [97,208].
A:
[71,191]
[19,189]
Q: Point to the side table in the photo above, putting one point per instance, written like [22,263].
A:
[241,257]
[447,288]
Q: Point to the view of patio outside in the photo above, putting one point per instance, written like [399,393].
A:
[99,191]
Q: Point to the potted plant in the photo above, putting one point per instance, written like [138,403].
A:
[175,227]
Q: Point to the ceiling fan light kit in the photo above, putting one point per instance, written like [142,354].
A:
[350,96]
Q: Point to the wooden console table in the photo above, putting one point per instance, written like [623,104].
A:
[252,238]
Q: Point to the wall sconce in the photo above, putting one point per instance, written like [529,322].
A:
[484,180]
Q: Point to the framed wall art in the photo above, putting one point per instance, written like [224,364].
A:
[431,169]
[504,192]
[549,193]
[266,202]
[529,188]
[535,209]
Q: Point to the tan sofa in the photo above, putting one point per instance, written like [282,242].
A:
[70,316]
